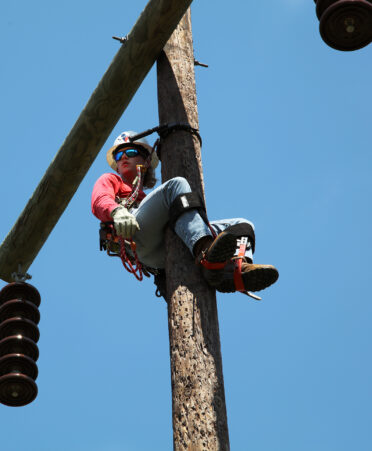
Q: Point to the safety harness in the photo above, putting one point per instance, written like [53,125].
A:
[108,236]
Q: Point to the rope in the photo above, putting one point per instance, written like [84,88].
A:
[137,269]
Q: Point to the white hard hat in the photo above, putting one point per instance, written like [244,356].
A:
[124,138]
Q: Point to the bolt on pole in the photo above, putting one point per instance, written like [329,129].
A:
[198,397]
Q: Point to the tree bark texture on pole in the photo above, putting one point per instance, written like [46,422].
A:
[198,398]
[95,123]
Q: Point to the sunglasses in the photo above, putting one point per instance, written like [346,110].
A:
[130,153]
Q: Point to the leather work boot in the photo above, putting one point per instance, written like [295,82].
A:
[254,277]
[213,254]
[218,250]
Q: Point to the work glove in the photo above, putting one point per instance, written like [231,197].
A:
[125,223]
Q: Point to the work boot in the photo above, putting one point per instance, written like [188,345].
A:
[213,254]
[253,277]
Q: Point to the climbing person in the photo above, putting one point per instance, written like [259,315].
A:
[223,249]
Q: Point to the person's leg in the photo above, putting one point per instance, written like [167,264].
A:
[153,215]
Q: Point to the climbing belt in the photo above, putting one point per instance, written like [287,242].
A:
[164,131]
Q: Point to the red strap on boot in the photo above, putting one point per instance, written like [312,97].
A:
[238,280]
[212,265]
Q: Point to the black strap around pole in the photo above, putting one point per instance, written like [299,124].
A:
[164,131]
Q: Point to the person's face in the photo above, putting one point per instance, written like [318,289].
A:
[127,166]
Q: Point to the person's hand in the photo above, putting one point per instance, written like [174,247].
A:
[125,223]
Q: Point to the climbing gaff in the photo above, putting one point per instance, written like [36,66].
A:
[19,333]
[345,24]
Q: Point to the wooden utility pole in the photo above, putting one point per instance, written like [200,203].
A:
[131,64]
[198,398]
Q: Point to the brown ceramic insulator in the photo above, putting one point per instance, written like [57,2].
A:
[16,344]
[322,5]
[17,390]
[347,24]
[18,363]
[20,290]
[18,307]
[19,326]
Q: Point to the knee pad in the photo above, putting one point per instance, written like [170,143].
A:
[183,203]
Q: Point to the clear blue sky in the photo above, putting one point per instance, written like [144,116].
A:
[286,127]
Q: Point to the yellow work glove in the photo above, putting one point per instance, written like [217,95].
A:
[125,223]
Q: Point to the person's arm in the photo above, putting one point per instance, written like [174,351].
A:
[103,196]
[105,208]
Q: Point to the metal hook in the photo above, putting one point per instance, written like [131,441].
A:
[20,276]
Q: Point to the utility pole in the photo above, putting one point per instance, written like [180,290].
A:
[140,49]
[198,397]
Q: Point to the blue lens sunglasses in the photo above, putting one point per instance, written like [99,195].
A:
[130,153]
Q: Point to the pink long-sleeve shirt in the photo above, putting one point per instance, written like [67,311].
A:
[108,187]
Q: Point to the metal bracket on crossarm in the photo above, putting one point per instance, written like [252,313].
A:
[20,276]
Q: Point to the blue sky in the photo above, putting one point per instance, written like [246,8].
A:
[286,126]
